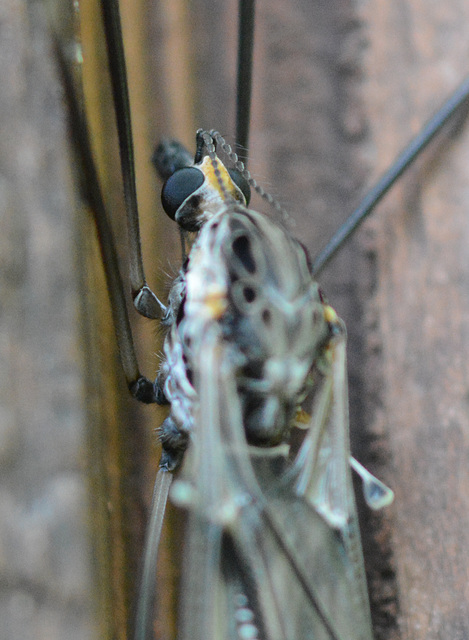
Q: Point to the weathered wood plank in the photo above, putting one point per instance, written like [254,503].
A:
[419,313]
[45,568]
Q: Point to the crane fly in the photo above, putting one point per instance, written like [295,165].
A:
[243,490]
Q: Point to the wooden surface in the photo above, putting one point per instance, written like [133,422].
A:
[45,568]
[340,87]
[419,311]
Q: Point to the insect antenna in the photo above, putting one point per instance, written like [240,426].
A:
[402,162]
[208,140]
[241,167]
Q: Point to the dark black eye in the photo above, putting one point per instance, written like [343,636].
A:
[180,186]
[241,182]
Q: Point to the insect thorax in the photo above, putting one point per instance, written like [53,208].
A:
[246,274]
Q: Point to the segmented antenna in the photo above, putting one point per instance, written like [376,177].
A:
[213,138]
[209,140]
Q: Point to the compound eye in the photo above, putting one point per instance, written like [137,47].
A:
[241,182]
[180,186]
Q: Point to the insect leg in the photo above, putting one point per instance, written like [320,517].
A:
[141,387]
[147,591]
[145,301]
[244,80]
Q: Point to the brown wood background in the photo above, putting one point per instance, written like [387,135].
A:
[340,87]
